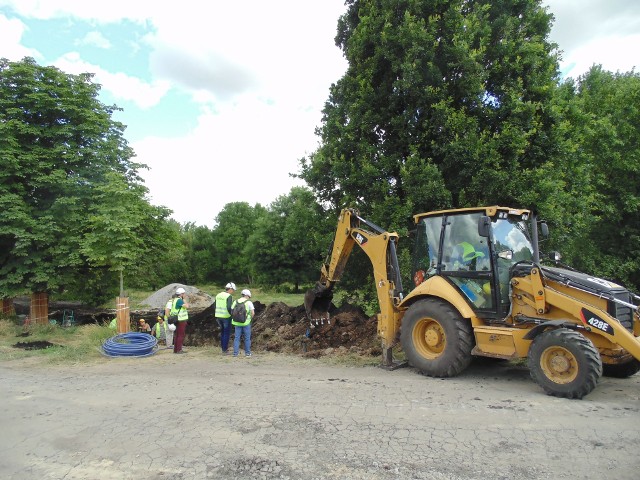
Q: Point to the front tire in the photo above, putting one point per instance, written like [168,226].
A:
[436,339]
[564,363]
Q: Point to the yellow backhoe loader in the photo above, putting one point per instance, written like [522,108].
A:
[480,289]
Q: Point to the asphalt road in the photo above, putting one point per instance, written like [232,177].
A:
[271,416]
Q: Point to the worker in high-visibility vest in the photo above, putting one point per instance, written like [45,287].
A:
[179,307]
[243,328]
[160,330]
[223,315]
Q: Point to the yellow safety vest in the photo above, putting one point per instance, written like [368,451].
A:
[182,313]
[161,326]
[221,305]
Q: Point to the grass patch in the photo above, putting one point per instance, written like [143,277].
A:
[70,344]
[259,294]
[135,298]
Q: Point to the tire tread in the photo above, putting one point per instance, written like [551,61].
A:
[592,364]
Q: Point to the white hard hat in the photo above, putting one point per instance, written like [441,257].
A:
[180,291]
[172,327]
[230,285]
[246,293]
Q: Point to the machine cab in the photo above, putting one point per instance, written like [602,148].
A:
[474,250]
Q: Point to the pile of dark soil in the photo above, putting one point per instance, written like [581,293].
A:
[36,345]
[280,328]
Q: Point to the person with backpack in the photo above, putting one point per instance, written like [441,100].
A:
[224,302]
[242,313]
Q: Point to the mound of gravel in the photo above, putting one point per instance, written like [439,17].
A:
[196,298]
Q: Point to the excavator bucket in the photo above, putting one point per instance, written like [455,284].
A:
[317,301]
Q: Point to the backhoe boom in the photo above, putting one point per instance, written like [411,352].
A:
[380,247]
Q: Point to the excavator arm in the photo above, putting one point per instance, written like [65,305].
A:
[380,246]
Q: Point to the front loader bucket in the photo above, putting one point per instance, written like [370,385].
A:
[317,301]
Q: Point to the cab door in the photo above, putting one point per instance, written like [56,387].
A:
[451,247]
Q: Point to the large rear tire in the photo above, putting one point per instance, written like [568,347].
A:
[621,370]
[436,339]
[564,363]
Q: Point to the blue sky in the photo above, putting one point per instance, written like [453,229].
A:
[210,90]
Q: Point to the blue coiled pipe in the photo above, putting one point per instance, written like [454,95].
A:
[132,344]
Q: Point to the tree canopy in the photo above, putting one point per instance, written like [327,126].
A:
[458,103]
[444,104]
[285,244]
[607,141]
[71,198]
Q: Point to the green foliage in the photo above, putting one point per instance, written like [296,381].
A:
[605,131]
[170,264]
[444,104]
[235,223]
[200,254]
[71,201]
[286,244]
[123,229]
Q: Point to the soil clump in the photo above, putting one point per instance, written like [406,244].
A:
[35,345]
[280,328]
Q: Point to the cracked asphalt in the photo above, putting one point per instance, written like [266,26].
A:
[275,416]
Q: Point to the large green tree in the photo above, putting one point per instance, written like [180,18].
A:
[123,232]
[201,254]
[444,104]
[287,244]
[72,204]
[234,225]
[604,126]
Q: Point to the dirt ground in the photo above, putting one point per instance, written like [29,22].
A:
[295,411]
[280,416]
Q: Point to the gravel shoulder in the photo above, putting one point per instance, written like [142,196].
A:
[276,416]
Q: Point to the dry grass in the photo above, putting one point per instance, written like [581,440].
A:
[69,345]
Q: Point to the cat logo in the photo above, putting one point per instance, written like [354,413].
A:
[360,238]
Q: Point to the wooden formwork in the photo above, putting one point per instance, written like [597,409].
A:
[39,310]
[7,308]
[122,314]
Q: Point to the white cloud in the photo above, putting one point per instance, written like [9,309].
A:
[274,49]
[248,142]
[120,85]
[260,72]
[198,71]
[111,11]
[11,31]
[614,53]
[604,32]
[96,39]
